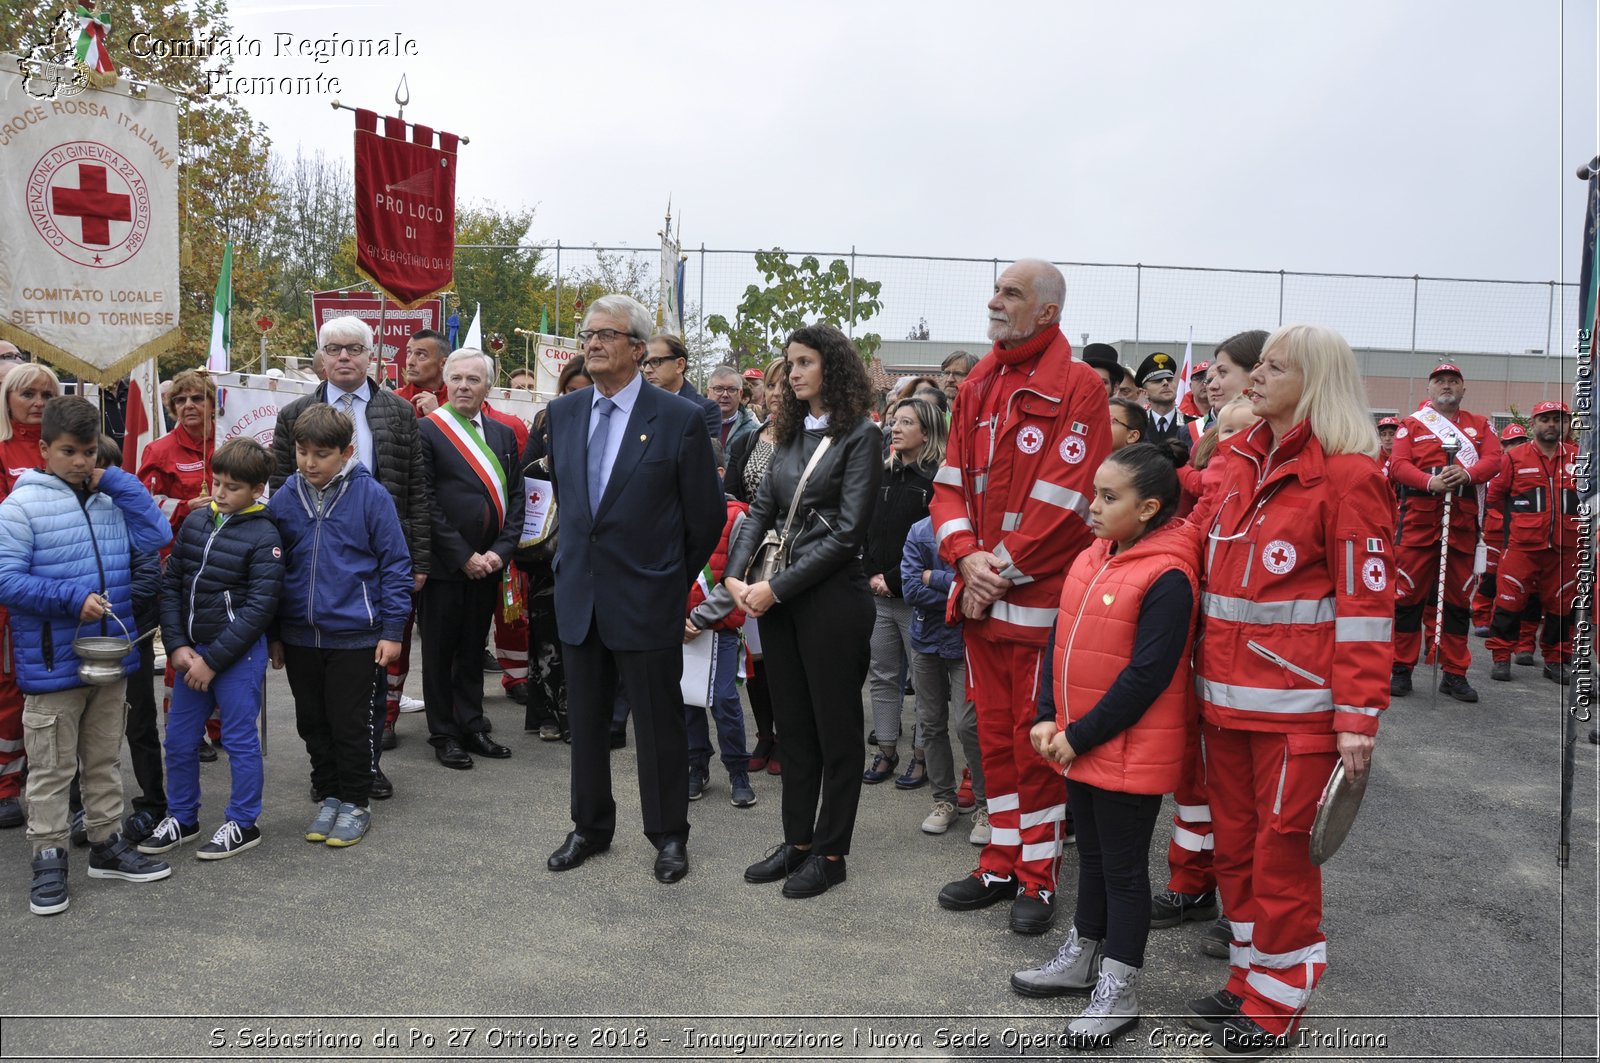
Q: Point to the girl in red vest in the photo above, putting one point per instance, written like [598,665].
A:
[1116,708]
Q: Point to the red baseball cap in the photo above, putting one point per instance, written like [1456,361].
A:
[1551,406]
[1199,370]
[1388,422]
[1446,367]
[1514,431]
[754,374]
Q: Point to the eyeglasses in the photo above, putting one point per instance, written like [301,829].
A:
[724,391]
[184,400]
[652,363]
[332,350]
[604,335]
[951,374]
[1121,424]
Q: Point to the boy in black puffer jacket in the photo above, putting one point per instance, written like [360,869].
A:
[218,596]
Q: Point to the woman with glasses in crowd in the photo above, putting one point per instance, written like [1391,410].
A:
[176,469]
[815,614]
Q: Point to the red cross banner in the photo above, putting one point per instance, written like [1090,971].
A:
[405,208]
[88,223]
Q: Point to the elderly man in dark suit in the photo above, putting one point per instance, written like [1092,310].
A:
[641,511]
[386,443]
[472,464]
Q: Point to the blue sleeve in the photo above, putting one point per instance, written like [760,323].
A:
[145,569]
[916,559]
[174,632]
[21,590]
[1164,617]
[263,587]
[394,563]
[1047,683]
[148,529]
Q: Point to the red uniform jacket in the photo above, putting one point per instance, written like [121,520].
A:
[410,391]
[514,423]
[1418,455]
[1298,609]
[174,469]
[1025,441]
[1540,495]
[19,454]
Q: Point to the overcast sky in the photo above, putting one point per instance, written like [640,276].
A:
[1388,137]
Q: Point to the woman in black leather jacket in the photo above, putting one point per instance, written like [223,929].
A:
[816,615]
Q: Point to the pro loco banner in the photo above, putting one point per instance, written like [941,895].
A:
[399,323]
[88,223]
[405,208]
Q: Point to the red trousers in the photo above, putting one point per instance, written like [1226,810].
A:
[511,649]
[1417,596]
[1189,853]
[1547,576]
[398,669]
[1483,605]
[1264,792]
[1026,798]
[13,758]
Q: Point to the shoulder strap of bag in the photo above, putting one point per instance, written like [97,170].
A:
[794,503]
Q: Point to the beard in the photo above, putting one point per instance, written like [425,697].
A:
[1001,330]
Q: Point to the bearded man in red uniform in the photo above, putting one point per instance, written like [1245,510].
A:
[1424,473]
[1540,559]
[1010,512]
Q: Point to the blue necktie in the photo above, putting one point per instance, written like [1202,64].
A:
[599,433]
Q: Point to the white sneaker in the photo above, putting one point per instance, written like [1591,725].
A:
[939,820]
[410,704]
[1113,1008]
[980,834]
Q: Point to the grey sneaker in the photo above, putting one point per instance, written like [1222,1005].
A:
[1075,969]
[115,858]
[326,815]
[1113,1007]
[230,840]
[168,835]
[981,832]
[350,826]
[939,820]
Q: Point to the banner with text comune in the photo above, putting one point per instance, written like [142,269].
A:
[405,208]
[400,323]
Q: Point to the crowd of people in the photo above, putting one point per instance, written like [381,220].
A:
[1109,591]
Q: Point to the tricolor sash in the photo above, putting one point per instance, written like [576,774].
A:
[1466,455]
[469,443]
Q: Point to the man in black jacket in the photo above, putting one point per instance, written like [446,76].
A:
[666,360]
[386,443]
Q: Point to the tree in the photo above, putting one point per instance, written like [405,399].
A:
[310,245]
[919,331]
[797,293]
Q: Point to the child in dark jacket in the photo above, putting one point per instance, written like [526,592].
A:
[346,599]
[219,594]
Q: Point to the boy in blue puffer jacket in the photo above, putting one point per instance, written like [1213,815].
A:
[346,599]
[67,535]
[218,596]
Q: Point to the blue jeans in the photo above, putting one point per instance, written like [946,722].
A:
[725,706]
[236,693]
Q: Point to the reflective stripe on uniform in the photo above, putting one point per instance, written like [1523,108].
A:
[1053,814]
[1239,956]
[1263,699]
[1245,611]
[1041,851]
[1010,521]
[1278,992]
[950,527]
[1065,497]
[1003,803]
[1011,571]
[1363,629]
[948,475]
[1358,709]
[1022,615]
[1317,953]
[1005,836]
[1195,843]
[10,745]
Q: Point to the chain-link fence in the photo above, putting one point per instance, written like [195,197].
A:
[940,302]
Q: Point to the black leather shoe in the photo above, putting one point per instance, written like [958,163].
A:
[390,739]
[1457,687]
[1500,671]
[382,788]
[518,692]
[480,743]
[816,876]
[1240,1037]
[1209,1012]
[206,752]
[575,850]
[1032,912]
[1400,683]
[672,862]
[619,739]
[451,755]
[778,864]
[977,890]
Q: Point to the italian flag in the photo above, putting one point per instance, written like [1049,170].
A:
[92,32]
[221,312]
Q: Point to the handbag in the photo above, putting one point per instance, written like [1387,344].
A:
[772,555]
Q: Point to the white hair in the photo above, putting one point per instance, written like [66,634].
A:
[463,354]
[345,330]
[640,327]
[1049,286]
[724,371]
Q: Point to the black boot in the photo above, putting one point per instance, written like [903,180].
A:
[1457,687]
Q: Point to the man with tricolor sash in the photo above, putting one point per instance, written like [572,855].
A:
[468,458]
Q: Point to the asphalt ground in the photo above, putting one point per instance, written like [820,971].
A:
[1452,932]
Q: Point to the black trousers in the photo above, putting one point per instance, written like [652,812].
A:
[333,712]
[144,740]
[761,700]
[455,616]
[652,676]
[817,651]
[1114,831]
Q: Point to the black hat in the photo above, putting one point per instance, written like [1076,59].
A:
[1104,356]
[1159,366]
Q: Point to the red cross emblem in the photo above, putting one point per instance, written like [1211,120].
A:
[1375,575]
[1278,556]
[92,204]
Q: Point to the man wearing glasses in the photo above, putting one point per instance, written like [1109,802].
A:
[641,512]
[666,359]
[726,390]
[386,443]
[10,357]
[955,369]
